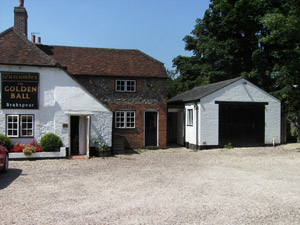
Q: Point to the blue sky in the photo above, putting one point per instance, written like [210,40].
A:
[155,27]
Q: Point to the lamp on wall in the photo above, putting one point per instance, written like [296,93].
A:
[151,85]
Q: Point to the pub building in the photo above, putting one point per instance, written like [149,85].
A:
[38,96]
[81,94]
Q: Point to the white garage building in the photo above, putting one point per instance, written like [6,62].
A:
[233,111]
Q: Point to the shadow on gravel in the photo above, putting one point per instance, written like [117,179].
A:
[7,178]
[128,152]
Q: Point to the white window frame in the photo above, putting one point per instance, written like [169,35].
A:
[26,128]
[12,129]
[127,85]
[20,125]
[190,115]
[126,115]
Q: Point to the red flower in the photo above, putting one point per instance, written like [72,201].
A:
[39,149]
[17,148]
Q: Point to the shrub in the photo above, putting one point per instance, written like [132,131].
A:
[228,146]
[51,143]
[5,141]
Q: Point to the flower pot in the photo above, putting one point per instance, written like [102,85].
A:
[26,153]
[103,153]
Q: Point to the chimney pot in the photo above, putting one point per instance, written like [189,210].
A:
[33,38]
[21,3]
[39,40]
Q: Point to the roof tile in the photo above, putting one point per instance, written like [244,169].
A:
[105,62]
[16,49]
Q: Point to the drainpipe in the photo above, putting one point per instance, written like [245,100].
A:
[197,124]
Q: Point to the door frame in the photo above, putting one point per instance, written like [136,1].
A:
[88,134]
[157,126]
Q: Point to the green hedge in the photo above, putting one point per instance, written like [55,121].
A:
[5,141]
[51,143]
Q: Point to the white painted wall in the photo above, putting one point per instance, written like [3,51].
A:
[237,91]
[190,131]
[60,96]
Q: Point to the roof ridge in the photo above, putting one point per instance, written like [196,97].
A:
[149,57]
[114,49]
[204,88]
[6,31]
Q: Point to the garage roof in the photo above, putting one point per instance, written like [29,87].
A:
[199,92]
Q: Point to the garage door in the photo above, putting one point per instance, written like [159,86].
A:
[242,124]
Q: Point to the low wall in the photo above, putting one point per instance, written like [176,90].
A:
[39,155]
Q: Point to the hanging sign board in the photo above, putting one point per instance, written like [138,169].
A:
[20,90]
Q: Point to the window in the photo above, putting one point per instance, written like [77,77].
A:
[125,119]
[125,86]
[190,117]
[12,126]
[19,125]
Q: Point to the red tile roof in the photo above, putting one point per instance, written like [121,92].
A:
[105,62]
[16,49]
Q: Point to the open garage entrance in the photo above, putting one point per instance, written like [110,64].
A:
[241,123]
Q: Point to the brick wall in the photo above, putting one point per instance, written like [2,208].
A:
[20,23]
[135,137]
[147,97]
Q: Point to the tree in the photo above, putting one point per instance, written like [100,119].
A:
[172,83]
[256,39]
[283,42]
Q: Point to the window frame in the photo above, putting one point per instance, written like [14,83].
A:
[20,126]
[190,117]
[127,86]
[125,116]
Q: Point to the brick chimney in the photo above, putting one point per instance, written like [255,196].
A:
[21,18]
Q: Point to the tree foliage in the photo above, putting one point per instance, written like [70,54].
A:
[256,39]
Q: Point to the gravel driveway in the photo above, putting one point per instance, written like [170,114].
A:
[172,186]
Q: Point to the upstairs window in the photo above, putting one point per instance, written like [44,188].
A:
[190,117]
[125,86]
[125,119]
[19,125]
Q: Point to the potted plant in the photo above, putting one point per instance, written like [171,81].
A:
[29,149]
[101,150]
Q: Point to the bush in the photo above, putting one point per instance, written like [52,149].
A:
[51,143]
[5,141]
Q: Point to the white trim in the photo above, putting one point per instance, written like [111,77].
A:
[190,117]
[126,85]
[125,119]
[78,113]
[88,133]
[18,125]
[21,125]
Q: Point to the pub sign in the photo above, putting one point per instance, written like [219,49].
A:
[19,90]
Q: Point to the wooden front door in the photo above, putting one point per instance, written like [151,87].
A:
[150,128]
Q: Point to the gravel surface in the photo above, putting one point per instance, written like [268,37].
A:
[172,186]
